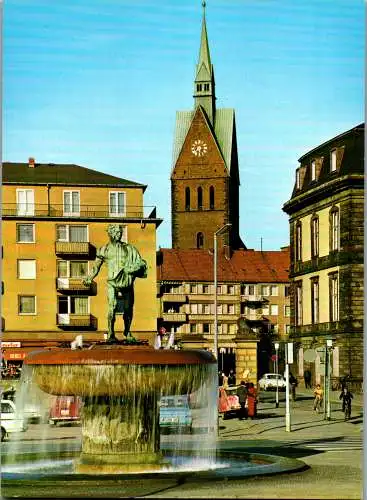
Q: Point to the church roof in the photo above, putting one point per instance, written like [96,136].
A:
[65,174]
[223,129]
[245,266]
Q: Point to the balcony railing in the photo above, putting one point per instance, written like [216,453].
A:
[71,284]
[174,297]
[84,211]
[72,247]
[253,298]
[254,317]
[174,317]
[327,328]
[76,321]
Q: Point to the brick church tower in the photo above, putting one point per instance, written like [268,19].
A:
[205,177]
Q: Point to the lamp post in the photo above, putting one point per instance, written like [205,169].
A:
[276,345]
[328,349]
[217,233]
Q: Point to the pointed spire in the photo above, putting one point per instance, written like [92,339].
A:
[204,86]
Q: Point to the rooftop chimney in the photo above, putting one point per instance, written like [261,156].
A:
[31,162]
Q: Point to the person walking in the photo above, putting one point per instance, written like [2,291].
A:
[251,401]
[307,379]
[346,396]
[225,381]
[293,383]
[319,394]
[242,399]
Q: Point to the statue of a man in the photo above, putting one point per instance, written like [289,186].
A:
[124,264]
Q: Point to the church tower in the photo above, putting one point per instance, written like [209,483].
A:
[205,177]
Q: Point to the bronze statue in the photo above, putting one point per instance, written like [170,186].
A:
[124,264]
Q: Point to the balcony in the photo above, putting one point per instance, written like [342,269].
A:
[254,299]
[72,285]
[84,211]
[174,297]
[201,297]
[254,317]
[327,328]
[86,321]
[73,248]
[174,317]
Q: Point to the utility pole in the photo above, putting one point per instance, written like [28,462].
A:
[288,361]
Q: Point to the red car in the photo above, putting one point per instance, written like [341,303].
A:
[65,409]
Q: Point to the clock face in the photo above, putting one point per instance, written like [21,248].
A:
[199,148]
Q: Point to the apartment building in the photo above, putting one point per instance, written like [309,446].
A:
[326,217]
[54,219]
[253,303]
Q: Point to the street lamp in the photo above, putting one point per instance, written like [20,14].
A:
[220,231]
[328,350]
[276,345]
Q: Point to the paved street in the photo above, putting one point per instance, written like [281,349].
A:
[332,450]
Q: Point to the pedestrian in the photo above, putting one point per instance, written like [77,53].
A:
[242,399]
[307,379]
[319,394]
[231,378]
[293,383]
[346,396]
[225,381]
[251,401]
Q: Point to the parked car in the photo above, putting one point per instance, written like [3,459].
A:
[65,409]
[268,382]
[10,421]
[228,402]
[175,413]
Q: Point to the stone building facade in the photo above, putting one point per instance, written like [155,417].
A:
[326,216]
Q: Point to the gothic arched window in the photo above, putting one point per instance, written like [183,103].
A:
[200,198]
[211,198]
[187,198]
[199,240]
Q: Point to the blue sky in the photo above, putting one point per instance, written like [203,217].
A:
[98,83]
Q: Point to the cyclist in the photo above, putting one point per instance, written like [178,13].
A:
[318,393]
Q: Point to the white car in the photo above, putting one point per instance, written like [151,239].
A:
[269,381]
[10,421]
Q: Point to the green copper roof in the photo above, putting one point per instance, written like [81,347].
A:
[65,174]
[204,53]
[224,129]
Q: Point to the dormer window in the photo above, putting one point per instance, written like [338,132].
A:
[333,160]
[313,170]
[298,179]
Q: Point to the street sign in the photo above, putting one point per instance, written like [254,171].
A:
[274,357]
[309,355]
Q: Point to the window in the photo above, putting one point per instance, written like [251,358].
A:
[206,328]
[206,87]
[193,308]
[298,179]
[71,203]
[73,305]
[187,198]
[117,203]
[205,288]
[25,202]
[287,291]
[287,311]
[192,328]
[314,300]
[72,269]
[274,290]
[219,289]
[200,198]
[193,288]
[206,308]
[199,87]
[25,233]
[76,234]
[333,160]
[274,310]
[248,290]
[211,197]
[230,289]
[287,329]
[26,269]
[265,290]
[266,310]
[27,304]
[230,308]
[299,311]
[298,242]
[314,237]
[334,297]
[334,229]
[199,240]
[313,170]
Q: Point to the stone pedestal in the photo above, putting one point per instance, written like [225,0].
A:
[246,359]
